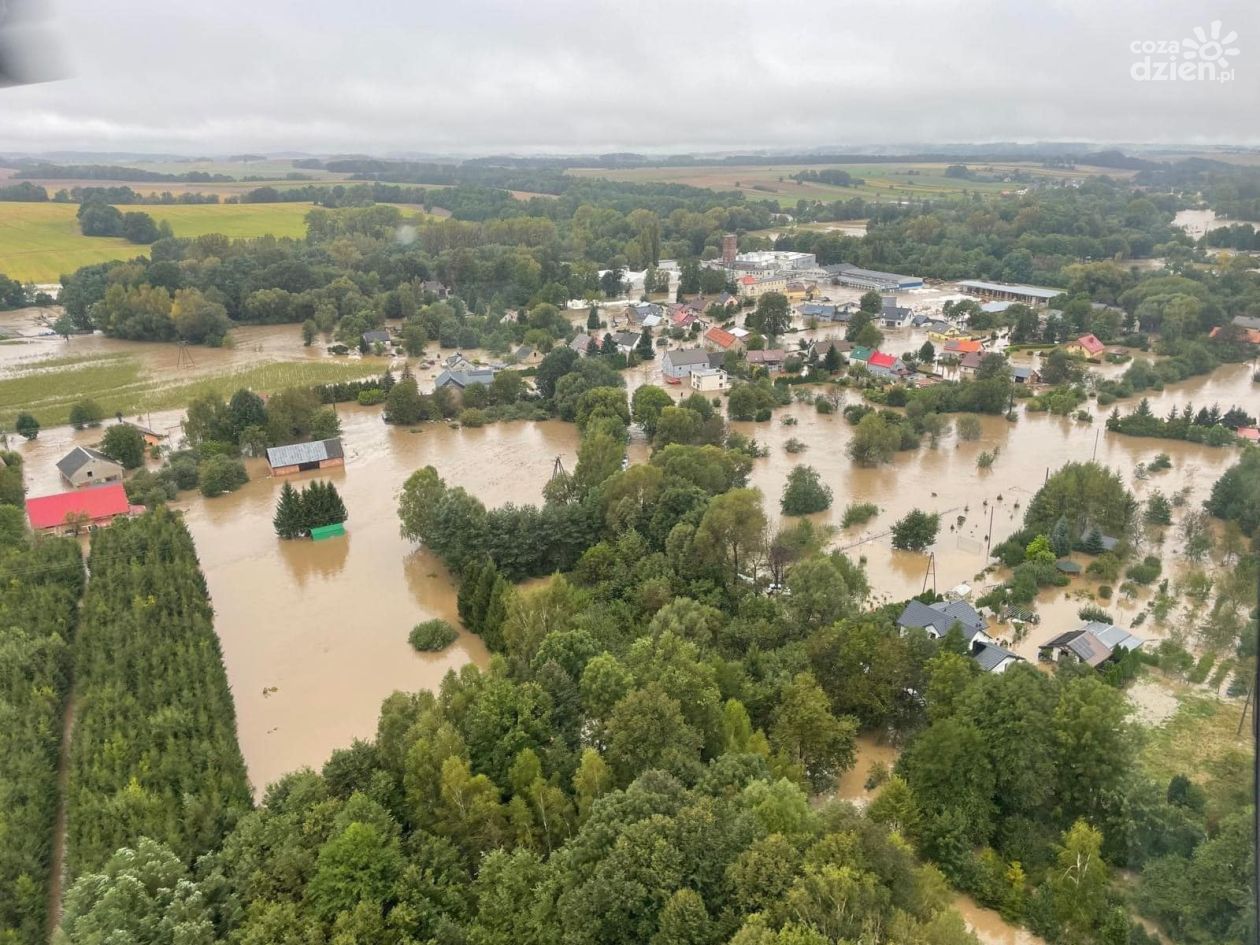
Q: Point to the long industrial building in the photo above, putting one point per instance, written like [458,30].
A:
[859,278]
[1010,292]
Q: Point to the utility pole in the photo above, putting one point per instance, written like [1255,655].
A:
[1097,434]
[988,541]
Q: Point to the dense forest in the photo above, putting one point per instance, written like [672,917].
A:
[40,584]
[154,752]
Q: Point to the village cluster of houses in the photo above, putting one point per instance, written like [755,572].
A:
[1093,643]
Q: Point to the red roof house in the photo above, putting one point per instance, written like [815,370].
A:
[881,360]
[720,337]
[1249,433]
[96,506]
[1087,345]
[964,346]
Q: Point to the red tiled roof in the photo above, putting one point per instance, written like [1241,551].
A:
[769,355]
[880,359]
[1090,344]
[99,502]
[1249,335]
[720,337]
[964,346]
[1249,433]
[749,280]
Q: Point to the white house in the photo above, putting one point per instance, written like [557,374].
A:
[709,379]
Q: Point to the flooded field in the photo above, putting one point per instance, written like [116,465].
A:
[1198,222]
[314,635]
[871,753]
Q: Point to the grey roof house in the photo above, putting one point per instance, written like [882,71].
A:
[678,363]
[1093,644]
[458,380]
[939,617]
[84,466]
[376,337]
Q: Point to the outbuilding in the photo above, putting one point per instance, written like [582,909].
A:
[301,457]
[84,466]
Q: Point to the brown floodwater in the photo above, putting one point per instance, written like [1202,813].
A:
[869,752]
[314,634]
[990,927]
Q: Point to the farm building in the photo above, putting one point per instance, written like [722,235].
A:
[1009,292]
[300,457]
[858,278]
[70,512]
[84,466]
[151,437]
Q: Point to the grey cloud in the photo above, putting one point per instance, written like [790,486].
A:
[581,75]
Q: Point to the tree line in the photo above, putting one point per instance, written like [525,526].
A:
[154,752]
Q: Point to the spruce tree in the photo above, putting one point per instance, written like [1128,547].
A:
[335,509]
[289,519]
[468,592]
[644,348]
[592,319]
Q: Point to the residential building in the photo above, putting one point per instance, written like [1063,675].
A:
[301,457]
[819,349]
[881,364]
[858,278]
[723,339]
[994,659]
[678,363]
[940,331]
[625,340]
[84,466]
[771,359]
[1009,292]
[581,343]
[938,618]
[1086,346]
[377,337]
[1025,375]
[708,380]
[753,287]
[1093,643]
[70,512]
[892,315]
[962,346]
[458,380]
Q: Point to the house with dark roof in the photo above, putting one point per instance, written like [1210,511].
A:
[581,342]
[376,337]
[892,315]
[301,457]
[457,381]
[84,466]
[1093,644]
[937,619]
[678,363]
[994,659]
[626,340]
[1025,375]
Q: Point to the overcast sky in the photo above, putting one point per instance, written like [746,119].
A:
[469,76]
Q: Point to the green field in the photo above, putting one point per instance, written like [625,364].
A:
[882,182]
[40,241]
[119,382]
